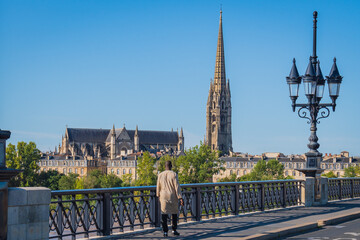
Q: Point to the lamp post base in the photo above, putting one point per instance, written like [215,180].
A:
[312,169]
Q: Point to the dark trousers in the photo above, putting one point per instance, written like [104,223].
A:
[164,218]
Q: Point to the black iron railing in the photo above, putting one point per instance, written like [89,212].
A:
[91,212]
[343,188]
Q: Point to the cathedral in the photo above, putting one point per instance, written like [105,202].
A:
[115,143]
[218,108]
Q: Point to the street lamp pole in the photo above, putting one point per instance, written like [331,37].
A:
[313,110]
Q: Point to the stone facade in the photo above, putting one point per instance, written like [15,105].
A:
[67,165]
[218,109]
[28,213]
[243,164]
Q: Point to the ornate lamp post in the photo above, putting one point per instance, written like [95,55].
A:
[313,110]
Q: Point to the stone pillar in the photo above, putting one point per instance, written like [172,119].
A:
[308,192]
[28,213]
[3,209]
[324,185]
[5,175]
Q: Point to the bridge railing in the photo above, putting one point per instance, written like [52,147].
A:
[343,188]
[91,212]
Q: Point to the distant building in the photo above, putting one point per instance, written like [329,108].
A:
[113,151]
[244,163]
[218,109]
[114,143]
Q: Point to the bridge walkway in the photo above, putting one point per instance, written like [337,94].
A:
[261,225]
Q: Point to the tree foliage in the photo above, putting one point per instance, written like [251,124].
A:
[198,165]
[270,170]
[230,178]
[24,157]
[68,182]
[146,170]
[352,171]
[330,174]
[110,181]
[50,179]
[126,180]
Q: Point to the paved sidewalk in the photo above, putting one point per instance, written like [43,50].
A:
[263,225]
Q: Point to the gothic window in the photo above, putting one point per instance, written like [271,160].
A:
[213,105]
[213,118]
[82,171]
[213,128]
[117,172]
[130,170]
[75,170]
[222,105]
[124,171]
[223,128]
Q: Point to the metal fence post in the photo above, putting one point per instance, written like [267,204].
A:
[106,214]
[157,211]
[59,209]
[198,204]
[237,198]
[352,188]
[340,189]
[284,194]
[262,207]
[73,216]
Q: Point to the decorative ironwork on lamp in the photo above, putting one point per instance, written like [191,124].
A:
[313,110]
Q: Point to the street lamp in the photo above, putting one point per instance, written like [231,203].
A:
[313,110]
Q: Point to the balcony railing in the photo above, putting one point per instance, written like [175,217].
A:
[91,212]
[343,188]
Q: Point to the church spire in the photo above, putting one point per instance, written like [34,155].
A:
[218,107]
[220,77]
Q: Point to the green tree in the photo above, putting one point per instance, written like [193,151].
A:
[68,182]
[50,179]
[146,170]
[230,178]
[330,174]
[270,170]
[352,171]
[25,157]
[126,180]
[198,165]
[110,181]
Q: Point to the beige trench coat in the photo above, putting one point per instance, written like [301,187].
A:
[168,191]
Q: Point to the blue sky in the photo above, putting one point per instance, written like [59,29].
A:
[92,64]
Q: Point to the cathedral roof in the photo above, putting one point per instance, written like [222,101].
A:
[149,137]
[87,135]
[155,137]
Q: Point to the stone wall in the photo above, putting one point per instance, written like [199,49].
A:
[28,213]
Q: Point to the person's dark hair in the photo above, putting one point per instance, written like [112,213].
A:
[168,165]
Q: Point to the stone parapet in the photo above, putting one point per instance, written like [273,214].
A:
[28,213]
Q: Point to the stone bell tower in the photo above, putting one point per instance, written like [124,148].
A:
[218,108]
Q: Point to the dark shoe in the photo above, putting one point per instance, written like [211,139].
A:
[165,234]
[176,233]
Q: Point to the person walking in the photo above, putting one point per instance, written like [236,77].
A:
[169,193]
